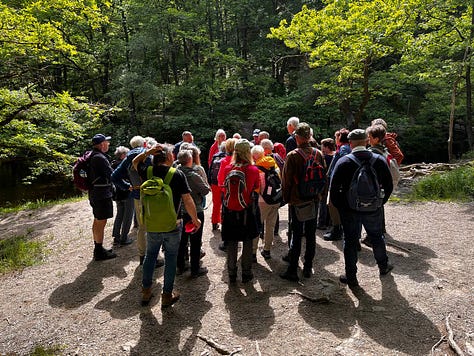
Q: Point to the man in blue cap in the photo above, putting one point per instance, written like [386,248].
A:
[100,194]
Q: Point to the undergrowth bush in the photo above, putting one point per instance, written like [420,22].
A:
[455,185]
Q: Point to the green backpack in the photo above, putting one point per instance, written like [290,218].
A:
[158,212]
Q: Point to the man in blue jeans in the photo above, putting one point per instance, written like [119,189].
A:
[162,161]
[353,220]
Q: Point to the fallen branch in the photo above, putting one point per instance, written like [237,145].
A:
[258,348]
[451,341]
[320,300]
[437,344]
[393,244]
[218,347]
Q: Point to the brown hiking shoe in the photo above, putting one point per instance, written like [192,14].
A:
[168,299]
[146,296]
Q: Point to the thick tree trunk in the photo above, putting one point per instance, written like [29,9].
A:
[468,121]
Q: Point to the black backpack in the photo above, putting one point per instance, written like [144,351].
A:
[313,178]
[215,166]
[364,193]
[271,193]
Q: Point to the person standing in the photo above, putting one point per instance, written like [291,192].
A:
[353,220]
[218,139]
[124,203]
[100,194]
[292,171]
[162,160]
[291,125]
[199,189]
[239,223]
[186,136]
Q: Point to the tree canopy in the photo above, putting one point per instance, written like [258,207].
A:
[71,67]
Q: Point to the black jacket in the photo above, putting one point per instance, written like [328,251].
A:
[345,169]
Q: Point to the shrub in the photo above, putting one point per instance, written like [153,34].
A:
[456,185]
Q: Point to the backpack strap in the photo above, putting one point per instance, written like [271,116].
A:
[149,172]
[169,175]
[354,159]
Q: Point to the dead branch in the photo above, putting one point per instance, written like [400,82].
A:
[218,347]
[320,300]
[451,341]
[437,344]
[393,244]
[258,348]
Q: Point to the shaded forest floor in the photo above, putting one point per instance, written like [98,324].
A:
[92,308]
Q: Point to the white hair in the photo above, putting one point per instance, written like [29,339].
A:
[218,133]
[257,152]
[293,121]
[150,142]
[267,144]
[137,141]
[120,150]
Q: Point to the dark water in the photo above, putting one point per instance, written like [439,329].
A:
[14,192]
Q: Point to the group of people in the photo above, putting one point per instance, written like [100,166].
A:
[244,207]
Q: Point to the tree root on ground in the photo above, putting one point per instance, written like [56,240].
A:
[218,347]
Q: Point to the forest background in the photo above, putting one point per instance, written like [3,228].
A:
[72,68]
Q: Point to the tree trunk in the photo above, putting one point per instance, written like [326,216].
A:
[468,121]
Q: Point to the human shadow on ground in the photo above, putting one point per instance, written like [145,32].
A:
[180,324]
[408,258]
[391,322]
[250,313]
[88,284]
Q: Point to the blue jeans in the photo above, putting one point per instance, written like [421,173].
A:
[170,241]
[123,219]
[298,229]
[352,224]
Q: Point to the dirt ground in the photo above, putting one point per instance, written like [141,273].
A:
[93,308]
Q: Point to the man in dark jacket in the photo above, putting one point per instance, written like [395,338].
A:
[292,170]
[100,194]
[353,220]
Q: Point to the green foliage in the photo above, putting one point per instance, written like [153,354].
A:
[43,131]
[54,350]
[39,203]
[455,185]
[18,252]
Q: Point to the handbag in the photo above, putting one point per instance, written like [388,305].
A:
[305,211]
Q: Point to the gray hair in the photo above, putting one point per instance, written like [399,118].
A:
[267,144]
[184,156]
[120,150]
[137,141]
[150,142]
[293,121]
[263,135]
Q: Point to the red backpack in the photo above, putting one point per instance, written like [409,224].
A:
[235,189]
[80,172]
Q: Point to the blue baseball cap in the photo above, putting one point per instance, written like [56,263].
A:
[99,138]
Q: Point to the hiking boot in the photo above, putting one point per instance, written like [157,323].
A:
[126,242]
[202,254]
[307,272]
[102,255]
[146,296]
[168,299]
[200,272]
[215,227]
[247,278]
[223,247]
[385,270]
[350,282]
[334,235]
[116,242]
[293,277]
[266,254]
